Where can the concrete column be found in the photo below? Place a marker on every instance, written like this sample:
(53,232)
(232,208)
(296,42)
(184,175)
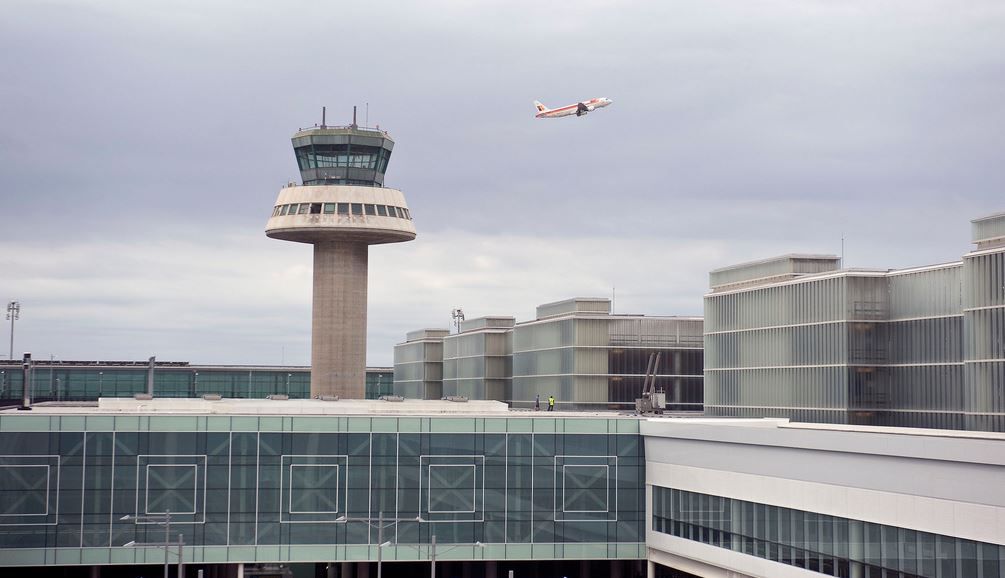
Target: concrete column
(345,570)
(95,571)
(491,570)
(338,332)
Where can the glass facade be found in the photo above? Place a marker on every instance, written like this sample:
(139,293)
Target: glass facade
(478,362)
(418,365)
(310,488)
(848,347)
(918,347)
(576,351)
(73,381)
(984,335)
(594,360)
(830,545)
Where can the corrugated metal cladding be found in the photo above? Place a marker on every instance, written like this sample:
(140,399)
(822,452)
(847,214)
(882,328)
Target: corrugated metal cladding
(426,334)
(487,322)
(988,228)
(579,305)
(583,359)
(786,264)
(920,348)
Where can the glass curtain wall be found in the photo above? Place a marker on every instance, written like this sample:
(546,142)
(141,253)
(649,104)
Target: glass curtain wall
(830,545)
(62,382)
(984,339)
(281,484)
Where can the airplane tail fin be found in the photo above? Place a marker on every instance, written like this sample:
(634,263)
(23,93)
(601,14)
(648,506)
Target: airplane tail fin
(540,107)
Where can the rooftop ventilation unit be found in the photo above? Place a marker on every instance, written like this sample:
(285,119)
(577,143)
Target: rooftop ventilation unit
(456,398)
(142,396)
(391,398)
(277,396)
(327,397)
(212,397)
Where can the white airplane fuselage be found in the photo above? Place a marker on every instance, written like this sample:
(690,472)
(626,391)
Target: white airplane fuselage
(578,109)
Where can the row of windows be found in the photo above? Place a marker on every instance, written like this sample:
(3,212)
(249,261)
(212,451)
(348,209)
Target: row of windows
(64,384)
(830,545)
(358,209)
(343,156)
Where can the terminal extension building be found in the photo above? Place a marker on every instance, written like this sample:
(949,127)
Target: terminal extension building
(575,350)
(60,380)
(797,337)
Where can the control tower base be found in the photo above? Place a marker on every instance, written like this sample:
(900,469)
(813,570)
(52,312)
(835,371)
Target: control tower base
(338,328)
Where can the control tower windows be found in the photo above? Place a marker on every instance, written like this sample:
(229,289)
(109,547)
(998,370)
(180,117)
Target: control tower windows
(342,156)
(358,209)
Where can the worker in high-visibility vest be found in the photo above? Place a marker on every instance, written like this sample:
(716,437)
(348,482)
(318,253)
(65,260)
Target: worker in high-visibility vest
(551,403)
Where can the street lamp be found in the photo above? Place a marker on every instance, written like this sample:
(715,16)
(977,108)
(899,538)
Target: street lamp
(432,550)
(165,520)
(432,557)
(381,521)
(13,313)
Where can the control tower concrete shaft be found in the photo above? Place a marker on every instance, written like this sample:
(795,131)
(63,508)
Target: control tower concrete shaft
(341,208)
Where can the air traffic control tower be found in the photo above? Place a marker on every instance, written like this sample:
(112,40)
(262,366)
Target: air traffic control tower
(341,208)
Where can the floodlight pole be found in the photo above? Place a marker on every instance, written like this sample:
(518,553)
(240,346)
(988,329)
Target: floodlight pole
(13,313)
(380,539)
(166,520)
(167,540)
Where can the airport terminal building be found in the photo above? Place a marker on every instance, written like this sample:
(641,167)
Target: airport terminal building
(575,349)
(342,488)
(798,337)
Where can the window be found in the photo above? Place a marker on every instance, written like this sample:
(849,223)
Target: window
(304,207)
(329,208)
(357,208)
(370,210)
(407,216)
(343,208)
(293,209)
(382,210)
(315,208)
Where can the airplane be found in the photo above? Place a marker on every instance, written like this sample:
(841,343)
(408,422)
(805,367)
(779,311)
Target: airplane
(578,109)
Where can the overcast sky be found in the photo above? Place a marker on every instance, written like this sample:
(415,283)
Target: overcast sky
(143,144)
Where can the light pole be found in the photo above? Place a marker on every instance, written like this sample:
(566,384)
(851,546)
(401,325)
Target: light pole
(165,520)
(380,523)
(13,313)
(432,550)
(458,315)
